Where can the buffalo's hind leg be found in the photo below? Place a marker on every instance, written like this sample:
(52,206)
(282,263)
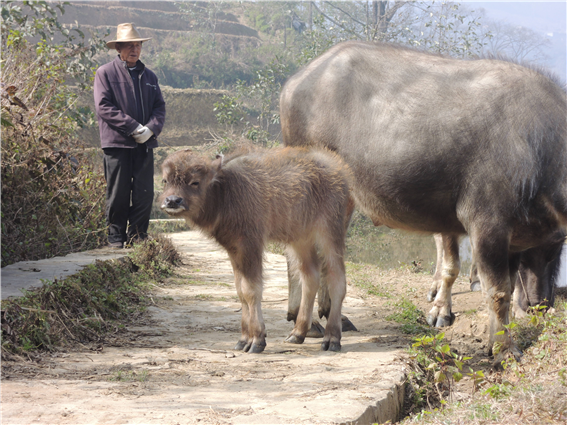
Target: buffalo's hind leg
(495,266)
(441,315)
(304,263)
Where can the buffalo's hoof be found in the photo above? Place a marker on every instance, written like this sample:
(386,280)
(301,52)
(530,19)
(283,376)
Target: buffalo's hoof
(444,321)
(502,356)
(240,345)
(347,325)
(316,331)
(294,339)
(431,296)
(257,348)
(330,346)
(440,321)
(475,286)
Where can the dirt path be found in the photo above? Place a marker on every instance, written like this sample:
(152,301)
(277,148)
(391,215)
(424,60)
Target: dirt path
(179,366)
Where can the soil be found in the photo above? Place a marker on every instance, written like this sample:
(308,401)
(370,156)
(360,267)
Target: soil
(177,364)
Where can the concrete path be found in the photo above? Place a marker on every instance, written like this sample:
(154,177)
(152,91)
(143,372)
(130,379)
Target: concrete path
(31,274)
(193,371)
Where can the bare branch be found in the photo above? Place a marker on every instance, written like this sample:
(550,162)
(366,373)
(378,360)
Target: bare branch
(346,13)
(335,22)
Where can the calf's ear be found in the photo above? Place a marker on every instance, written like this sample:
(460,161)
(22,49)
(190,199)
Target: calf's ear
(218,162)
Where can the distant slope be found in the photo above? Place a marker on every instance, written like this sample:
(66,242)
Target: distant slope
(177,54)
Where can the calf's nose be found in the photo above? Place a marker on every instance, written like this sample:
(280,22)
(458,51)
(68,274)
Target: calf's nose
(172,202)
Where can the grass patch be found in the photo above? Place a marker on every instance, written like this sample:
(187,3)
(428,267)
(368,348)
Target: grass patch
(168,226)
(88,305)
(362,276)
(411,318)
(276,248)
(532,391)
(208,297)
(130,376)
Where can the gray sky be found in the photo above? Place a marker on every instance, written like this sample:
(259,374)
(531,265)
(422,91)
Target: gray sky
(543,16)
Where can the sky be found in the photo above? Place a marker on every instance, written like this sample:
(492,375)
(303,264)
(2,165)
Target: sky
(545,17)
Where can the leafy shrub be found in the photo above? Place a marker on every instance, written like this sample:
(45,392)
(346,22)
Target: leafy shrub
(52,201)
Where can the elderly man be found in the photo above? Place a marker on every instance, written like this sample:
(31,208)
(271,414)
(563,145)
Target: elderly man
(131,113)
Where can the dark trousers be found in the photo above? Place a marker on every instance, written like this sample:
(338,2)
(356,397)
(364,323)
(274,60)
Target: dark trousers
(129,175)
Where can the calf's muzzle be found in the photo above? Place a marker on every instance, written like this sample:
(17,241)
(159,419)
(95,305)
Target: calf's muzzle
(172,202)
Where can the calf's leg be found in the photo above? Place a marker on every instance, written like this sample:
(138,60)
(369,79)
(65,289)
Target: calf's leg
(304,262)
(249,286)
(245,334)
(294,301)
(336,282)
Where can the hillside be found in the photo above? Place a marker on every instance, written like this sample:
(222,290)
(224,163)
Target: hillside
(180,54)
(189,121)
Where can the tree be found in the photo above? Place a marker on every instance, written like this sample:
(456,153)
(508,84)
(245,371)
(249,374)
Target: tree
(52,201)
(516,43)
(442,27)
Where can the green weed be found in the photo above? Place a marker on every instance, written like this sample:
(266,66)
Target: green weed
(410,317)
(130,376)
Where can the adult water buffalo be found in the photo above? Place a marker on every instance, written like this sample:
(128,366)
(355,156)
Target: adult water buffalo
(443,146)
(533,284)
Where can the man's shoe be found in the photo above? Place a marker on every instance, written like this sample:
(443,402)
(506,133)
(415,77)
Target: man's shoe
(116,245)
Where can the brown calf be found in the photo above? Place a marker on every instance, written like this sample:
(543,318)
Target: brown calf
(295,196)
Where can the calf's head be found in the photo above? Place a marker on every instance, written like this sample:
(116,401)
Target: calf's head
(186,179)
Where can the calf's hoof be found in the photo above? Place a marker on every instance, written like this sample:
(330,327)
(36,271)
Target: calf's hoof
(330,346)
(257,348)
(295,339)
(240,345)
(347,325)
(316,331)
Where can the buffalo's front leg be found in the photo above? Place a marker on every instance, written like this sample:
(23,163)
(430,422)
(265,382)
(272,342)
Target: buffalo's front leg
(437,277)
(441,315)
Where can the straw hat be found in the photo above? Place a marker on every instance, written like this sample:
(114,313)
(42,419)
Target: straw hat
(124,34)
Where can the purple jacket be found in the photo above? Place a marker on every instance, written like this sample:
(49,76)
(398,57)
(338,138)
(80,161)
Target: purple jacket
(115,105)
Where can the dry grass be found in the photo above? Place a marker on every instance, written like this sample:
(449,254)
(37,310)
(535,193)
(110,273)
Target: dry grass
(533,391)
(88,306)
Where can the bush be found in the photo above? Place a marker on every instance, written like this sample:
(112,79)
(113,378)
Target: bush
(52,201)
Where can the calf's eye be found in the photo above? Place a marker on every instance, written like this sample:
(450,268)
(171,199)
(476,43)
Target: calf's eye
(195,184)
